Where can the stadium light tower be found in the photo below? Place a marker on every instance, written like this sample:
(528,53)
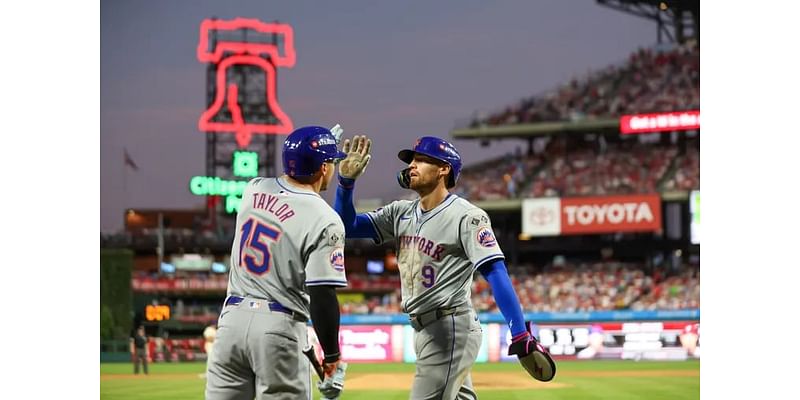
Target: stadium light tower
(676,20)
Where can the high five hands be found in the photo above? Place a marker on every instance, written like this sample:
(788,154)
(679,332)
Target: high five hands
(358,156)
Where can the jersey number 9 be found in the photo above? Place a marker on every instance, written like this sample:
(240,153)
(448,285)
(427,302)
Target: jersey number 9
(428,276)
(252,233)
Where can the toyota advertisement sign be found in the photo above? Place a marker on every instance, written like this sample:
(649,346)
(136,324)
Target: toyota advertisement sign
(587,215)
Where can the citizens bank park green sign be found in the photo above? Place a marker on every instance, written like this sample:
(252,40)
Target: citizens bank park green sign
(245,165)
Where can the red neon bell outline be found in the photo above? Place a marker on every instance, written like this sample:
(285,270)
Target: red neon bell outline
(246,48)
(245,53)
(244,131)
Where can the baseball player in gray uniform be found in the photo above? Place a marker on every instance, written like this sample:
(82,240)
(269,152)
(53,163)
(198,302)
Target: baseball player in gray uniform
(441,240)
(286,261)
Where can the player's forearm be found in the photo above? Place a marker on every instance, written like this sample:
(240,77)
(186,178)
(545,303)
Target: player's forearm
(504,295)
(355,226)
(344,204)
(325,317)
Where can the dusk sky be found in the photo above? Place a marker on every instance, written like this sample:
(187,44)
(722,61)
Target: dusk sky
(392,70)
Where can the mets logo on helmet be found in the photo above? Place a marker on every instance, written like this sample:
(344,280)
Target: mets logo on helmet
(486,237)
(337,259)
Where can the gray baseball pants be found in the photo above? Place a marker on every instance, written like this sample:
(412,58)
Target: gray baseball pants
(258,354)
(446,349)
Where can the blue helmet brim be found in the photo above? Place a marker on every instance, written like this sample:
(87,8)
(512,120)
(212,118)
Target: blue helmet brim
(406,155)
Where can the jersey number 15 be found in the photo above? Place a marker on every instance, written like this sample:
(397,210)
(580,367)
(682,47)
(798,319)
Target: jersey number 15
(252,234)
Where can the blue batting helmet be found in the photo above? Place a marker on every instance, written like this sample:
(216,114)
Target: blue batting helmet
(439,149)
(305,149)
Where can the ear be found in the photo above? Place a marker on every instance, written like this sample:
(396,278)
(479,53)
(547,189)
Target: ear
(323,169)
(446,169)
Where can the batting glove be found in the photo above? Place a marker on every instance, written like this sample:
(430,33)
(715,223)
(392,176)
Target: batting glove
(524,344)
(333,385)
(532,355)
(358,156)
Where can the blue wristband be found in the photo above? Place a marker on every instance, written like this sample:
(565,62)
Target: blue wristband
(347,183)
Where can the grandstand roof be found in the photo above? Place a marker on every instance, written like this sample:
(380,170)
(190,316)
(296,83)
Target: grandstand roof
(522,131)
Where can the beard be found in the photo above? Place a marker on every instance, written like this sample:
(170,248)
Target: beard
(420,185)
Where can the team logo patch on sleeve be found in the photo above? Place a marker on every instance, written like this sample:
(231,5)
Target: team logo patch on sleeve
(486,238)
(337,259)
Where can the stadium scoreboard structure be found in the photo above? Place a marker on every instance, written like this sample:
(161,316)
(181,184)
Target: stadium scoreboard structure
(242,114)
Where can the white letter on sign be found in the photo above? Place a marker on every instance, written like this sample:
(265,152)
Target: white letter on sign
(616,213)
(570,210)
(644,213)
(630,209)
(600,212)
(585,215)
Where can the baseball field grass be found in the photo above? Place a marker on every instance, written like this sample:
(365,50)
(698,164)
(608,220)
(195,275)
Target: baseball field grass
(576,380)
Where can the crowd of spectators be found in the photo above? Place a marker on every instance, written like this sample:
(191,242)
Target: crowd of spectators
(650,80)
(618,168)
(387,303)
(597,287)
(687,173)
(496,179)
(572,288)
(599,168)
(676,292)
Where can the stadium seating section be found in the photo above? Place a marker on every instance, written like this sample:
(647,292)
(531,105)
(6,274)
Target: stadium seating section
(649,81)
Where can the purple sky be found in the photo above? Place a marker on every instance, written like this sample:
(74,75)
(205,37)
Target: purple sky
(393,70)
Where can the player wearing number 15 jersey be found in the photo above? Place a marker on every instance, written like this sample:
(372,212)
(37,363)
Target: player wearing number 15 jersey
(286,261)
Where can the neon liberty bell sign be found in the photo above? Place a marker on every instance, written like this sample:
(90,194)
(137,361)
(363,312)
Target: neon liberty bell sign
(225,114)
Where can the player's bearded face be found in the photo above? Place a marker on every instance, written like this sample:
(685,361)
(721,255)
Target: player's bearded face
(425,172)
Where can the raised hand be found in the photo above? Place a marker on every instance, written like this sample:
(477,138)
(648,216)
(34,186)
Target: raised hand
(358,156)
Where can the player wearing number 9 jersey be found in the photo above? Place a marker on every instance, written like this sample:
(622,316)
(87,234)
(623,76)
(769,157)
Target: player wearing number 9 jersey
(441,240)
(286,260)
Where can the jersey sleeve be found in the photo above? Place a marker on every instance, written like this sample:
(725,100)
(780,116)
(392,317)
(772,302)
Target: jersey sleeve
(478,239)
(325,262)
(383,221)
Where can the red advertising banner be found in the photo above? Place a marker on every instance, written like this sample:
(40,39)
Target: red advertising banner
(367,343)
(609,214)
(659,122)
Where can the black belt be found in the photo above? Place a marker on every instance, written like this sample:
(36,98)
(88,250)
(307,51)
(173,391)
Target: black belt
(273,306)
(419,321)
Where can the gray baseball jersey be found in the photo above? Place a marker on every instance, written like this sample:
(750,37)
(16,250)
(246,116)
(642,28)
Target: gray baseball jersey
(438,250)
(286,239)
